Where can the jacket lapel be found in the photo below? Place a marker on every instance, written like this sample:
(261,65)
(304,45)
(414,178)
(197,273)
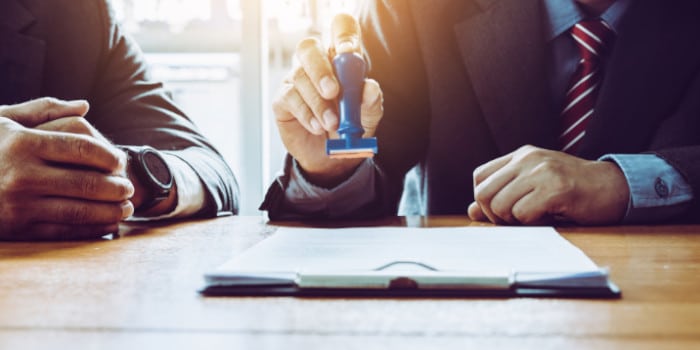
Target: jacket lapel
(504,51)
(21,56)
(639,90)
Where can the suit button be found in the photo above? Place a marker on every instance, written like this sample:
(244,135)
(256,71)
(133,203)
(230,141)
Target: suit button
(661,188)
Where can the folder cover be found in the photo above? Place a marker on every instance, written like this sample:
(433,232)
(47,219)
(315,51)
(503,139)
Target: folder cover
(413,262)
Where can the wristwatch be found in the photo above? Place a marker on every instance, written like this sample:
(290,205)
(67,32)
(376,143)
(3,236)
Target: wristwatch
(152,171)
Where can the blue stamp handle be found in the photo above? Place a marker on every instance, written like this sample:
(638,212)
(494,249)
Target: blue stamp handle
(350,68)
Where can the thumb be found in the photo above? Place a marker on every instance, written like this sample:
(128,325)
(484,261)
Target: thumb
(46,109)
(346,34)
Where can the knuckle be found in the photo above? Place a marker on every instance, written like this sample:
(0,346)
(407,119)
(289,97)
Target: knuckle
(114,213)
(479,174)
(286,93)
(300,109)
(306,46)
(373,94)
(526,149)
(83,148)
(481,197)
(15,182)
(20,143)
(551,168)
(278,106)
(88,185)
(13,214)
(76,214)
(520,214)
(123,191)
(501,211)
(529,152)
(47,106)
(47,102)
(316,102)
(287,103)
(561,185)
(13,145)
(503,214)
(373,88)
(79,126)
(297,75)
(280,102)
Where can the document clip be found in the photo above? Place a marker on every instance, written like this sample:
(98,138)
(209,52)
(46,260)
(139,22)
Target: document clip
(396,275)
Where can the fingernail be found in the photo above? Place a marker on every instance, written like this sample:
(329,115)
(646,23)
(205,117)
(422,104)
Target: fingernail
(315,125)
(328,87)
(129,189)
(344,47)
(127,209)
(330,119)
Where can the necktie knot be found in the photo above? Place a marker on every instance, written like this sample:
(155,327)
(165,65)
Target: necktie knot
(593,38)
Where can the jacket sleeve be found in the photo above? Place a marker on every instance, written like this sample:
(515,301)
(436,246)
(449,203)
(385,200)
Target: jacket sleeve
(677,140)
(131,109)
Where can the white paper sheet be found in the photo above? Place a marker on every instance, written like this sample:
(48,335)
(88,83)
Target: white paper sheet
(478,249)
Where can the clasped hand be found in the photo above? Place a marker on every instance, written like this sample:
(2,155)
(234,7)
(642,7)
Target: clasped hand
(59,177)
(537,186)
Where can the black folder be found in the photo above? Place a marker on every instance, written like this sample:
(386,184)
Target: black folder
(400,262)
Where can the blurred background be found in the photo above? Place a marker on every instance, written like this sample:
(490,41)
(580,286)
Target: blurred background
(224,60)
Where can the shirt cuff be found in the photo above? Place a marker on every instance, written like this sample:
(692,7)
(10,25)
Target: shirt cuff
(657,190)
(352,194)
(190,191)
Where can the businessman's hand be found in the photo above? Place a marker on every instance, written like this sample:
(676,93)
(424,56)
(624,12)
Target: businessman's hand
(306,111)
(536,186)
(57,182)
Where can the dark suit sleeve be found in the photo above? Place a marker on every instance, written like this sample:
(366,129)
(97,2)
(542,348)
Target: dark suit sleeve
(393,54)
(130,109)
(677,140)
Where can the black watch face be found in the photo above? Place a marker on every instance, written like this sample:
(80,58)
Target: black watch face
(157,167)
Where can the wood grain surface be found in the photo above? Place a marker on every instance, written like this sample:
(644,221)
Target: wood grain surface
(140,292)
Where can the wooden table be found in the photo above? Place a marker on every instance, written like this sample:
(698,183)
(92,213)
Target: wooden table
(140,292)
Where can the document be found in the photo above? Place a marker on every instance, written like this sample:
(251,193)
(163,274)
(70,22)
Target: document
(498,261)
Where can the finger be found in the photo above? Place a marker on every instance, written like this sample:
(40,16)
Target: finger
(502,202)
(314,61)
(490,186)
(322,109)
(67,211)
(39,111)
(79,184)
(346,34)
(79,150)
(294,104)
(484,171)
(61,232)
(532,210)
(475,212)
(372,106)
(73,125)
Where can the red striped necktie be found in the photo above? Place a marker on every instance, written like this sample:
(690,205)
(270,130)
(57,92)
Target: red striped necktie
(593,38)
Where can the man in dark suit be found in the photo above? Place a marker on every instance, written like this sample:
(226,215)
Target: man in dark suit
(67,173)
(515,111)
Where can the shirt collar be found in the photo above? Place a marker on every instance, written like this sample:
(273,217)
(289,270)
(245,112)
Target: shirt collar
(564,14)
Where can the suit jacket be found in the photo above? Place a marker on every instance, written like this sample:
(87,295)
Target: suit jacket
(74,49)
(465,81)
